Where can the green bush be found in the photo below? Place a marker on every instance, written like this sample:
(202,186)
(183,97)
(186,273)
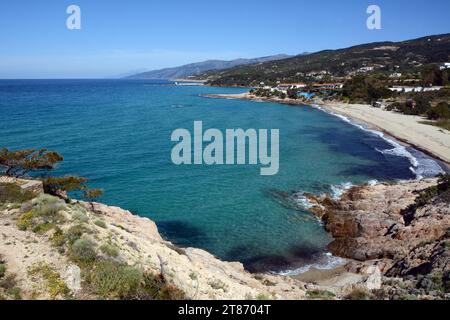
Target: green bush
(80,216)
(100,224)
(359,294)
(55,286)
(75,232)
(320,295)
(155,287)
(48,206)
(2,270)
(58,238)
(113,280)
(25,220)
(110,250)
(43,214)
(83,251)
(440,112)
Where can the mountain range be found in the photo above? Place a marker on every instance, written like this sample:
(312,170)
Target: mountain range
(194,69)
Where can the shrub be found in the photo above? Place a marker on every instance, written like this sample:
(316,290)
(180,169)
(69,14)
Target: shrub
(53,185)
(100,224)
(83,251)
(75,232)
(56,287)
(15,292)
(43,227)
(80,216)
(43,215)
(109,250)
(25,220)
(218,285)
(8,284)
(113,280)
(263,297)
(2,270)
(440,112)
(155,287)
(359,294)
(58,238)
(320,295)
(48,206)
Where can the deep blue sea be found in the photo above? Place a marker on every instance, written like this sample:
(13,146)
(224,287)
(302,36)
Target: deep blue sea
(117,134)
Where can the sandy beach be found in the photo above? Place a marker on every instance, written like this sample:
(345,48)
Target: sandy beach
(407,129)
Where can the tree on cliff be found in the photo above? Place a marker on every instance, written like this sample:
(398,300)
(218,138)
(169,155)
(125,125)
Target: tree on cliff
(92,194)
(59,186)
(53,185)
(20,163)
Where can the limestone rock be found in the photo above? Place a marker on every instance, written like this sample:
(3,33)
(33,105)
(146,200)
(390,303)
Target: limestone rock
(72,278)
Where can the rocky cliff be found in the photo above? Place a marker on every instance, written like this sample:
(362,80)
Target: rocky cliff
(395,236)
(52,249)
(402,229)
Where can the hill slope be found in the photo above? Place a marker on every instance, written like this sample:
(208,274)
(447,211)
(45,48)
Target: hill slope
(383,56)
(195,69)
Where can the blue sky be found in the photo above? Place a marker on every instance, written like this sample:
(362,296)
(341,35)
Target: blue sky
(121,36)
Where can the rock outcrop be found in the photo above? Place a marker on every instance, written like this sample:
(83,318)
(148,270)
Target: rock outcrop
(35,248)
(396,236)
(392,227)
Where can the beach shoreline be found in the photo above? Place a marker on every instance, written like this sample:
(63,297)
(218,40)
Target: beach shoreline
(406,129)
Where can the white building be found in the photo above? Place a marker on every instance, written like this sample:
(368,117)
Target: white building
(445,65)
(395,75)
(407,89)
(285,86)
(365,69)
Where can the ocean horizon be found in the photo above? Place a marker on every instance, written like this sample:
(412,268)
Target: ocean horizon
(117,134)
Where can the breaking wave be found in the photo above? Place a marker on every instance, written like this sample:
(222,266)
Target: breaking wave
(325,261)
(422,166)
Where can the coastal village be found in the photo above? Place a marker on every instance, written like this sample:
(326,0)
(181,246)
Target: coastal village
(395,82)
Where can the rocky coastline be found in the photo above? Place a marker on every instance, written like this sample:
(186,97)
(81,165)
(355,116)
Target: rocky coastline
(395,236)
(401,230)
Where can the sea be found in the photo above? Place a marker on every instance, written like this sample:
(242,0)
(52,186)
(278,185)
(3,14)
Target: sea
(117,133)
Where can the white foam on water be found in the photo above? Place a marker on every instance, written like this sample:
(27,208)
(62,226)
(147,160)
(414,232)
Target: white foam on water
(326,262)
(303,202)
(338,190)
(421,165)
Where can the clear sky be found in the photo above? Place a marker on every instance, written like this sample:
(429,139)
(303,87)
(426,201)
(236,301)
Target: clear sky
(119,36)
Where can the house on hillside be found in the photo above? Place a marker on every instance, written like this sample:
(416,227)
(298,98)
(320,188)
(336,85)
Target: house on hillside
(395,75)
(365,69)
(328,86)
(445,65)
(287,86)
(408,89)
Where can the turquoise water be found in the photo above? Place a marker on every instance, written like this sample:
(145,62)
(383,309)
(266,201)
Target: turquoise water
(117,133)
